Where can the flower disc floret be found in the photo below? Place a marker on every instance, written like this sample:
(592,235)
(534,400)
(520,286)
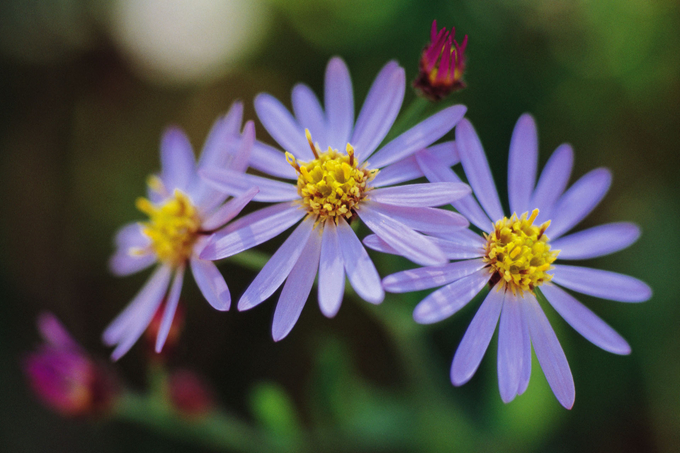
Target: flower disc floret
(518,253)
(172,228)
(331,184)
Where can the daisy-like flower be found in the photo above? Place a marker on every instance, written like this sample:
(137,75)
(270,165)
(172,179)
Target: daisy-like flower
(517,260)
(335,180)
(183,212)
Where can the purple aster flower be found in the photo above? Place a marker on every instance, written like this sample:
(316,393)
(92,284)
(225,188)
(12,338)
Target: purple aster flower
(331,188)
(64,376)
(515,258)
(183,212)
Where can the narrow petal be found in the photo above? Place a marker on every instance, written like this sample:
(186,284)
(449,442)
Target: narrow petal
(549,352)
(427,220)
(123,263)
(419,136)
(177,160)
(277,268)
(131,235)
(554,179)
(421,195)
(452,250)
(430,277)
(468,206)
(239,161)
(222,138)
(522,164)
(170,307)
(236,183)
(603,284)
(412,245)
(379,110)
(331,271)
(525,377)
(510,348)
(597,241)
(477,338)
(54,333)
(271,161)
(578,201)
(250,231)
(309,113)
(359,267)
(448,300)
(229,210)
(297,288)
(282,126)
(339,100)
(477,169)
(211,283)
(444,154)
(151,294)
(585,321)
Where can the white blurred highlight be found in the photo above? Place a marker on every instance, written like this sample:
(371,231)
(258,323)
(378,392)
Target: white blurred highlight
(185,41)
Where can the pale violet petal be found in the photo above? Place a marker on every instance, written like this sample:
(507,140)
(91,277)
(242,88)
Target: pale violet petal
(221,137)
(477,338)
(252,231)
(54,333)
(510,348)
(297,288)
(271,161)
(578,201)
(359,267)
(282,126)
(522,164)
(211,283)
(585,321)
(468,206)
(412,245)
(177,160)
(228,210)
(448,300)
(549,352)
(236,183)
(430,277)
(331,271)
(278,267)
(525,377)
(452,250)
(239,161)
(597,241)
(131,235)
(554,179)
(170,307)
(339,100)
(426,220)
(309,113)
(477,169)
(418,137)
(603,284)
(421,195)
(124,263)
(445,154)
(379,110)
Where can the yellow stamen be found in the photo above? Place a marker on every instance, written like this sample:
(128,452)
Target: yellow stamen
(518,253)
(331,184)
(172,227)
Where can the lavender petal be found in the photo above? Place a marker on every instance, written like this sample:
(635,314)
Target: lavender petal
(549,352)
(585,321)
(297,288)
(282,126)
(554,179)
(448,300)
(309,113)
(407,169)
(170,307)
(522,164)
(229,210)
(331,271)
(603,284)
(597,241)
(526,358)
(236,183)
(221,138)
(477,338)
(123,263)
(452,250)
(177,160)
(271,161)
(278,267)
(339,99)
(359,267)
(211,283)
(430,277)
(426,220)
(510,348)
(421,195)
(477,169)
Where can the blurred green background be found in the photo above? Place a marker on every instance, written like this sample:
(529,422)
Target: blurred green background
(88,86)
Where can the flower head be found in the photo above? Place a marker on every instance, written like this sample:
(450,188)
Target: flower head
(337,176)
(64,377)
(442,65)
(516,257)
(183,211)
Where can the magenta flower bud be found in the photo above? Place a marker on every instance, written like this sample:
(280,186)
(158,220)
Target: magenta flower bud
(64,377)
(442,65)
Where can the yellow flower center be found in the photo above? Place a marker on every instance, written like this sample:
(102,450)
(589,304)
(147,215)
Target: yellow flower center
(172,227)
(331,184)
(518,253)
